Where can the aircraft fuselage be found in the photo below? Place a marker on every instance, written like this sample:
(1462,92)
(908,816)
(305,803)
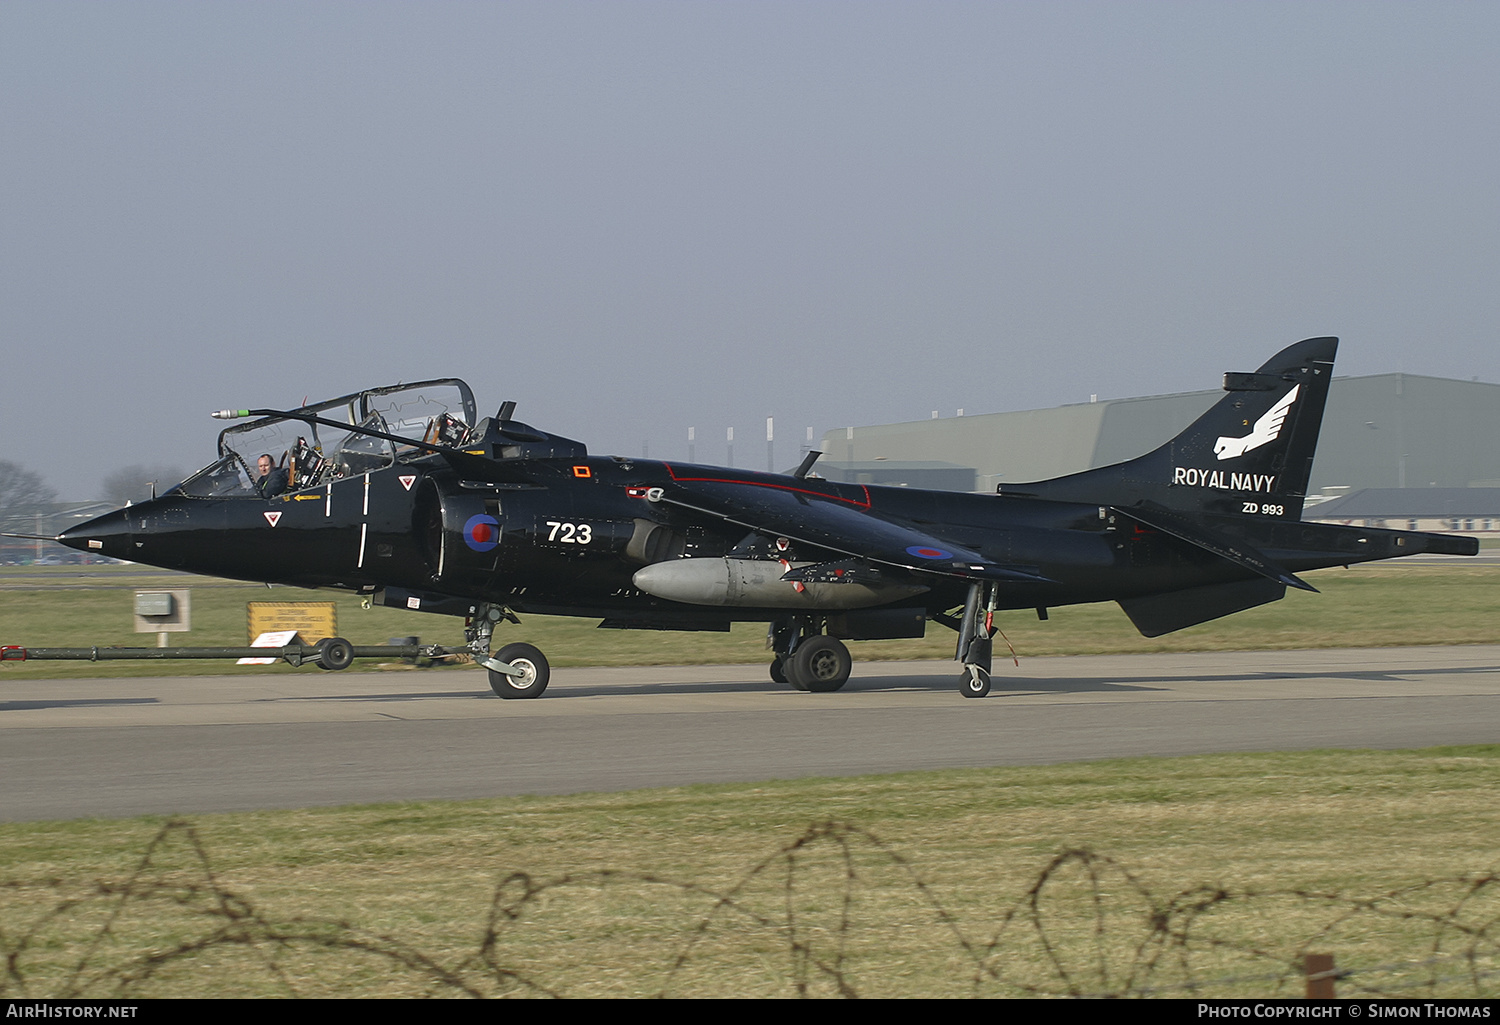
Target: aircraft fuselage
(400,492)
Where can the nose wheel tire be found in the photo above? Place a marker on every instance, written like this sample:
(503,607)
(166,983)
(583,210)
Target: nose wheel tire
(820,664)
(534,672)
(778,670)
(334,653)
(975,682)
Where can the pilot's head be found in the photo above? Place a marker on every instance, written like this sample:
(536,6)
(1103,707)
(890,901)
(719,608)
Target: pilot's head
(265,464)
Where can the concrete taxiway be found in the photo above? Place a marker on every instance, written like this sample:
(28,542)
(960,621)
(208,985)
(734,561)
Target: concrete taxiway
(114,747)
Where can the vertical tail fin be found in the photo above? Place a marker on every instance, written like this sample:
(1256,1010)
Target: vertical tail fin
(1255,446)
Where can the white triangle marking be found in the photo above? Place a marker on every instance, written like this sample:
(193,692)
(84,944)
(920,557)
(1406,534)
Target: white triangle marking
(272,517)
(407,480)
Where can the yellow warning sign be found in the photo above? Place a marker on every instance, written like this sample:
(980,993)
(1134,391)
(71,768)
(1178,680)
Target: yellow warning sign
(314,620)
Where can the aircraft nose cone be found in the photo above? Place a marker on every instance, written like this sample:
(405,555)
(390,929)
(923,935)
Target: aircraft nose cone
(104,535)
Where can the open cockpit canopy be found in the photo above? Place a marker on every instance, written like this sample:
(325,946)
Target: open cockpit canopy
(305,455)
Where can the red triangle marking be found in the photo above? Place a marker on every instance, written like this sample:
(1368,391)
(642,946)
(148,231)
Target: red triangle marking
(407,480)
(272,517)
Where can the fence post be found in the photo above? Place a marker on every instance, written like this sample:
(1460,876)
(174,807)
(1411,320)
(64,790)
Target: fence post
(1319,971)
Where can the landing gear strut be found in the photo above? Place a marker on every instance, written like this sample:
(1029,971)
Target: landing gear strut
(516,670)
(976,642)
(806,658)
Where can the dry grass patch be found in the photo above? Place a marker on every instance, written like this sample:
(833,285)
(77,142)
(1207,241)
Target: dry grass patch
(914,884)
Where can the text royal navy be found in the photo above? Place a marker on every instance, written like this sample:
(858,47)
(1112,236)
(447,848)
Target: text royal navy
(1223,480)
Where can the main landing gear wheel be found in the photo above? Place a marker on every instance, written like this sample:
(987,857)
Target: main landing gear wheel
(334,653)
(820,664)
(534,672)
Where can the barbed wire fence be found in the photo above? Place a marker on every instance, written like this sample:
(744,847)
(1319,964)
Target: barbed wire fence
(833,912)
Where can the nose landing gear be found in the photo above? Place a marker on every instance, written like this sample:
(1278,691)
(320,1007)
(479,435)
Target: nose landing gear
(522,672)
(516,670)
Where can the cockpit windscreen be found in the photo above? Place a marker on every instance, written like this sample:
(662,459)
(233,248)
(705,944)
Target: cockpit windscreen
(303,455)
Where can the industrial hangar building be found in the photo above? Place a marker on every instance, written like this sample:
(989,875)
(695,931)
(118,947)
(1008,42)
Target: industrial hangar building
(1389,436)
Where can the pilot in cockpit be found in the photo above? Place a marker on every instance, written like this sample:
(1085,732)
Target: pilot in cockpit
(273,479)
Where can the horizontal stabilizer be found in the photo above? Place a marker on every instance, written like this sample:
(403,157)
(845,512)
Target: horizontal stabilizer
(1236,552)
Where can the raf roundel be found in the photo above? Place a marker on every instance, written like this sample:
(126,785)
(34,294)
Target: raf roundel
(923,552)
(482,532)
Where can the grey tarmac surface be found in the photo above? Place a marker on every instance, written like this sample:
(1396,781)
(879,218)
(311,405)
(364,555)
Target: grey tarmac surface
(116,747)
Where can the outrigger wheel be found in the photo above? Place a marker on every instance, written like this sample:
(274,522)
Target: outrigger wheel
(975,682)
(532,672)
(334,653)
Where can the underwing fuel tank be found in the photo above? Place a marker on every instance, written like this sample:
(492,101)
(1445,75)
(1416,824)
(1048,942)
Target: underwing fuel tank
(758,583)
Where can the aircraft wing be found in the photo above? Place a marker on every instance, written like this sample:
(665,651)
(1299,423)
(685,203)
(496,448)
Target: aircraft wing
(839,525)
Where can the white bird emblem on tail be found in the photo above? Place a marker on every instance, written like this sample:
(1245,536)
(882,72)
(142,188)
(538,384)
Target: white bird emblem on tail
(1265,431)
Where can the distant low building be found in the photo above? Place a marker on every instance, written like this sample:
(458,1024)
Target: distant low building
(1441,510)
(928,474)
(1387,431)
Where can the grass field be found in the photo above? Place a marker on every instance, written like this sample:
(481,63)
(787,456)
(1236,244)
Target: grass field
(1367,606)
(1218,871)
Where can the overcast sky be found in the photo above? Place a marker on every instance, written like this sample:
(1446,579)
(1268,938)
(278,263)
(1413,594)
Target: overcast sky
(637,217)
